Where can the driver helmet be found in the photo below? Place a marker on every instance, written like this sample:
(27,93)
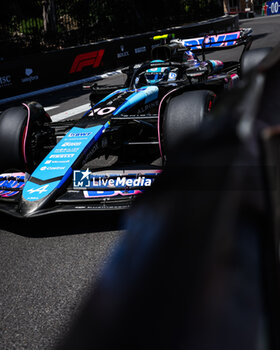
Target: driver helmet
(155,75)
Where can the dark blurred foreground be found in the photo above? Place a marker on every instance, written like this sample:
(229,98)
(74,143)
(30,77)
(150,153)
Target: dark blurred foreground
(199,269)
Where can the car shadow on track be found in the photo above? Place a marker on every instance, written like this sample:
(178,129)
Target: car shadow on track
(259,36)
(63,224)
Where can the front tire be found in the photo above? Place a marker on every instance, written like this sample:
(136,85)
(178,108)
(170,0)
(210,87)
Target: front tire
(24,130)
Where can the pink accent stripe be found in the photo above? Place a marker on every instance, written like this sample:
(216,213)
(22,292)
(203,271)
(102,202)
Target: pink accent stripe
(158,126)
(11,174)
(116,193)
(26,132)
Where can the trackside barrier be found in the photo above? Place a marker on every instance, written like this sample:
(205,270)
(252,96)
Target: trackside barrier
(270,8)
(33,72)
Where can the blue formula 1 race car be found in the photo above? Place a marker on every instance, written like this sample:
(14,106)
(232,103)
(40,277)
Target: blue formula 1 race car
(118,148)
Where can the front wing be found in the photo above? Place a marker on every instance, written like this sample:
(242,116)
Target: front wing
(88,191)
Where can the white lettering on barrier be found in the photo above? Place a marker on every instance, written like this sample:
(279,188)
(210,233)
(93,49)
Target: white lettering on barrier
(274,7)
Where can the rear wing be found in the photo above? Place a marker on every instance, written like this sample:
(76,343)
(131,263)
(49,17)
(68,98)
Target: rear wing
(220,41)
(170,48)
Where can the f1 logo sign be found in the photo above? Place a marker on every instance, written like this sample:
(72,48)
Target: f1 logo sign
(92,58)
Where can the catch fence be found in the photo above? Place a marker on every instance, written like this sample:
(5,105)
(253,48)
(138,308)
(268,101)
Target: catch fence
(33,26)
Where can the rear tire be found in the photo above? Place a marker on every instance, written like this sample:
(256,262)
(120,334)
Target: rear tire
(183,114)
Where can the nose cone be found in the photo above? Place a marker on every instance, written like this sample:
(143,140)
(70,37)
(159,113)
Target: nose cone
(27,208)
(36,196)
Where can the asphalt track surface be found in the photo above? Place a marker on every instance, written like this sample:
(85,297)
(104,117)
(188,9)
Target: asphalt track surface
(49,265)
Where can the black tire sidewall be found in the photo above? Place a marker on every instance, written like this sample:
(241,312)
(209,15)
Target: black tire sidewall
(182,114)
(12,127)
